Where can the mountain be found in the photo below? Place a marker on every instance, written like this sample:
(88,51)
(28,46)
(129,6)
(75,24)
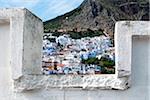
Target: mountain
(99,15)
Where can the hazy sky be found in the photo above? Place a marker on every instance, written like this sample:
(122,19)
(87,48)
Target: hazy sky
(45,9)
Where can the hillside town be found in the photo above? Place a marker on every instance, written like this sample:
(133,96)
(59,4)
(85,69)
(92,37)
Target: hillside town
(88,55)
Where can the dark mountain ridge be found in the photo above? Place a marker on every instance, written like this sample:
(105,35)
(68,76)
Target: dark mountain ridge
(99,15)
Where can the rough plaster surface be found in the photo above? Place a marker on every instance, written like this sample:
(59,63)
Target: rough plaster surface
(124,31)
(5,68)
(32,44)
(85,82)
(26,41)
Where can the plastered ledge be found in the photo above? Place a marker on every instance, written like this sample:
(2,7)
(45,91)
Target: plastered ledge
(30,82)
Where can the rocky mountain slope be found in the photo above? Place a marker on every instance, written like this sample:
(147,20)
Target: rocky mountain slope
(99,15)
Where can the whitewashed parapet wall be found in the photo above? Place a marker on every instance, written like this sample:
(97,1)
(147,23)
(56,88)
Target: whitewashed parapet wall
(124,33)
(26,45)
(26,42)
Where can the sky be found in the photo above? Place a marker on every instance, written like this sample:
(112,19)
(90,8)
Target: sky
(45,9)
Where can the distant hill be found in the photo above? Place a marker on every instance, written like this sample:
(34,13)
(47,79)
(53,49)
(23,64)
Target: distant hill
(99,15)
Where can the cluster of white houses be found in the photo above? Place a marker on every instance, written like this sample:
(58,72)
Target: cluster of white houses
(63,55)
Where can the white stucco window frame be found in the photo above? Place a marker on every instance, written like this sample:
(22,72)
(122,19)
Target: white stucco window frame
(121,80)
(124,33)
(26,32)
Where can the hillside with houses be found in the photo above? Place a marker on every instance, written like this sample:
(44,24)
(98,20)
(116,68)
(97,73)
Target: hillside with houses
(82,41)
(84,55)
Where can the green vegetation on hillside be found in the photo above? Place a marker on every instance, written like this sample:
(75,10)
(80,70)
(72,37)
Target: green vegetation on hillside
(106,64)
(102,62)
(81,34)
